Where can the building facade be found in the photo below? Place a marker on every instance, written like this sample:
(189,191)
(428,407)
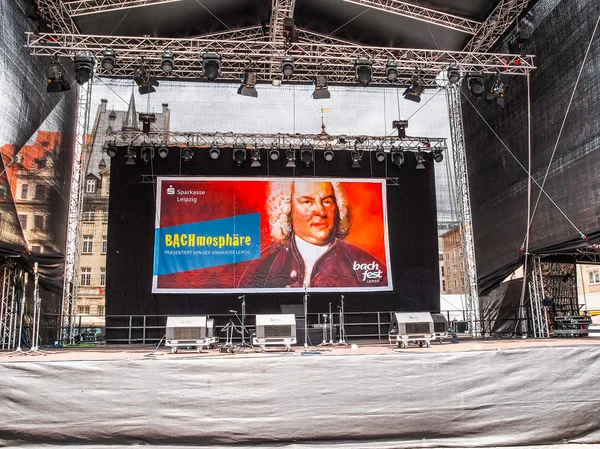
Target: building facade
(451,265)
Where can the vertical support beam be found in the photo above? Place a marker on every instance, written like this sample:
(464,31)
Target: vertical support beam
(280,9)
(71,276)
(539,316)
(464,209)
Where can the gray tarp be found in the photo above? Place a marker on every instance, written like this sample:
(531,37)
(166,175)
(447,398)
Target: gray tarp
(480,398)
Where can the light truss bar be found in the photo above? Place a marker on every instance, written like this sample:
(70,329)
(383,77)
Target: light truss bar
(83,7)
(280,9)
(496,25)
(421,13)
(333,60)
(464,208)
(71,276)
(539,315)
(282,141)
(255,32)
(57,16)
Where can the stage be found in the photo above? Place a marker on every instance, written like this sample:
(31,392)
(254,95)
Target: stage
(462,393)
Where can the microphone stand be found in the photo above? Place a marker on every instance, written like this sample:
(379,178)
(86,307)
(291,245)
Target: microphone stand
(305,318)
(342,340)
(37,313)
(331,328)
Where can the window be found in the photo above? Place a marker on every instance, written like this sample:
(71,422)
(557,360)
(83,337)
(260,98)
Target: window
(90,186)
(104,244)
(88,215)
(102,277)
(88,244)
(23,221)
(24,191)
(455,271)
(101,311)
(86,276)
(594,277)
(38,222)
(442,271)
(40,191)
(447,256)
(105,216)
(453,256)
(443,286)
(83,310)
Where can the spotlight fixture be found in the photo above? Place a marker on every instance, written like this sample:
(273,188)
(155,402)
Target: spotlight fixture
(453,74)
(306,155)
(163,151)
(255,156)
(274,154)
(147,120)
(414,91)
(328,154)
(380,155)
(438,156)
(130,156)
(109,59)
(290,32)
(391,70)
(401,126)
(247,88)
(211,66)
(147,154)
(239,154)
(397,157)
(356,158)
(420,161)
(517,45)
(287,67)
(56,77)
(497,91)
(84,68)
(291,158)
(141,76)
(168,62)
(321,91)
(187,153)
(215,152)
(111,149)
(475,84)
(363,71)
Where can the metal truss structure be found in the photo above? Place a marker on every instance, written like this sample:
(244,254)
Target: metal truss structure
(83,7)
(464,208)
(71,277)
(279,141)
(539,314)
(9,306)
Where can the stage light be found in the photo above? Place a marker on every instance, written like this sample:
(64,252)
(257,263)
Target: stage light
(438,156)
(215,152)
(147,120)
(239,154)
(380,155)
(356,158)
(109,59)
(147,154)
(84,68)
(453,74)
(391,70)
(130,156)
(211,66)
(321,91)
(168,62)
(287,67)
(328,155)
(497,91)
(291,158)
(363,71)
(306,155)
(414,91)
(475,84)
(111,149)
(57,78)
(255,156)
(289,31)
(401,126)
(274,154)
(187,154)
(141,76)
(247,88)
(397,157)
(163,151)
(420,161)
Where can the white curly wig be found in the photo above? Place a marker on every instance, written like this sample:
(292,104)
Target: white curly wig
(279,208)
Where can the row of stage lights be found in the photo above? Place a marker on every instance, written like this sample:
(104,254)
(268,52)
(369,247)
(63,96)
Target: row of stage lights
(211,67)
(240,155)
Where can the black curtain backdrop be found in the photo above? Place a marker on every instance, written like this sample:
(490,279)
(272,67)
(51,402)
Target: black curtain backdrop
(411,222)
(560,34)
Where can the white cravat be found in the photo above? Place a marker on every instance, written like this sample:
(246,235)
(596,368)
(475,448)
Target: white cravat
(310,253)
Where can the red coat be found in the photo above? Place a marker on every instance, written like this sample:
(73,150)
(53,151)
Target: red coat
(343,265)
